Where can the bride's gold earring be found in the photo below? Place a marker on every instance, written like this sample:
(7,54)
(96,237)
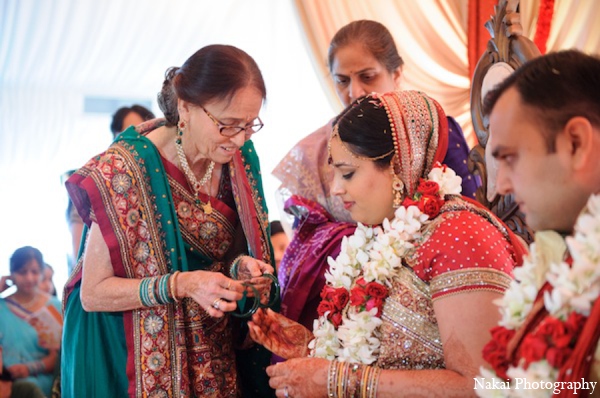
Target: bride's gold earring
(398,187)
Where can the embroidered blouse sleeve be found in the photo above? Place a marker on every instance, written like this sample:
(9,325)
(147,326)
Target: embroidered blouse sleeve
(465,252)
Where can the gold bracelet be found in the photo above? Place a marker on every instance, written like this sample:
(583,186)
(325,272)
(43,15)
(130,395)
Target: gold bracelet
(373,383)
(364,382)
(331,376)
(354,378)
(173,286)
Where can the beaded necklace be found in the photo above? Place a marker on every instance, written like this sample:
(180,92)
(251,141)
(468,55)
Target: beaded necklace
(192,180)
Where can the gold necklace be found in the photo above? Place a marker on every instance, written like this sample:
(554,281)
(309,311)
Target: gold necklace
(192,180)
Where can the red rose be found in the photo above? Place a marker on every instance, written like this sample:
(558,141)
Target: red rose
(328,292)
(491,348)
(556,332)
(340,299)
(325,306)
(361,282)
(501,335)
(357,296)
(430,205)
(428,187)
(336,319)
(375,289)
(557,357)
(495,355)
(409,202)
(575,323)
(533,349)
(374,302)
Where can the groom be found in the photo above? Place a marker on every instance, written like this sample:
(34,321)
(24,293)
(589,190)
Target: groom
(545,135)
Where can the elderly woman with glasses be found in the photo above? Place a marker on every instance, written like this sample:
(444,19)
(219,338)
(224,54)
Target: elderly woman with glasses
(176,240)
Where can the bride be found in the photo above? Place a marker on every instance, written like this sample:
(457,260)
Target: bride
(408,302)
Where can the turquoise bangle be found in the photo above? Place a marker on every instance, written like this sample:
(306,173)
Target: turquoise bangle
(35,368)
(255,303)
(275,297)
(147,291)
(233,269)
(163,289)
(144,292)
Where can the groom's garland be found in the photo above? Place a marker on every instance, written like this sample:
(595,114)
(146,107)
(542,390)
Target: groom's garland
(574,289)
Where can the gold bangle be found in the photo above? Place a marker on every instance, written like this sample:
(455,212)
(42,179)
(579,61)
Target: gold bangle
(331,373)
(173,286)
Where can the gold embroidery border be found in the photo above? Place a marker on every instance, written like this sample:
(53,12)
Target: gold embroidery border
(414,325)
(471,278)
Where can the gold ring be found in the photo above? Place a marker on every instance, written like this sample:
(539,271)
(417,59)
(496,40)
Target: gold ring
(216,303)
(228,285)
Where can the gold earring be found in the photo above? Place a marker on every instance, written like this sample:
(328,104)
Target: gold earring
(398,187)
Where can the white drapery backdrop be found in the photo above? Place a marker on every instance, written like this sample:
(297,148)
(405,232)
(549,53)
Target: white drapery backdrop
(55,53)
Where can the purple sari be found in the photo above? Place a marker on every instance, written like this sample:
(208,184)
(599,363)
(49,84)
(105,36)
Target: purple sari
(302,269)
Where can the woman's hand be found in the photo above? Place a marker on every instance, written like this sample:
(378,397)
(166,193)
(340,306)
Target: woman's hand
(251,270)
(301,377)
(4,283)
(280,335)
(215,292)
(249,267)
(50,361)
(18,371)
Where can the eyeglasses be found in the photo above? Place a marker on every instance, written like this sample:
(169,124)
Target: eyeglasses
(232,131)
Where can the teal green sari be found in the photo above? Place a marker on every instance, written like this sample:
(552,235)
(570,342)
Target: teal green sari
(147,218)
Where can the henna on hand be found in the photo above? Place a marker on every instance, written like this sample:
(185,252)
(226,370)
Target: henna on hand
(280,335)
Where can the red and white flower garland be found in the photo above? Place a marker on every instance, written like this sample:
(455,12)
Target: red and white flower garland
(575,288)
(359,278)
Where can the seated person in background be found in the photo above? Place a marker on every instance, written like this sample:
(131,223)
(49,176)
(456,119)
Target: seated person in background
(408,302)
(20,388)
(363,58)
(129,116)
(279,240)
(545,120)
(31,327)
(47,284)
(5,379)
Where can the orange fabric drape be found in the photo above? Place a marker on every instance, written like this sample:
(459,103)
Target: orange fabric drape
(544,23)
(480,12)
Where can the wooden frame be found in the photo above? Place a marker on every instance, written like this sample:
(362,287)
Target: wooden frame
(509,46)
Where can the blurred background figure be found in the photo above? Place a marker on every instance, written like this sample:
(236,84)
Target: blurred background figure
(129,116)
(47,283)
(279,240)
(31,327)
